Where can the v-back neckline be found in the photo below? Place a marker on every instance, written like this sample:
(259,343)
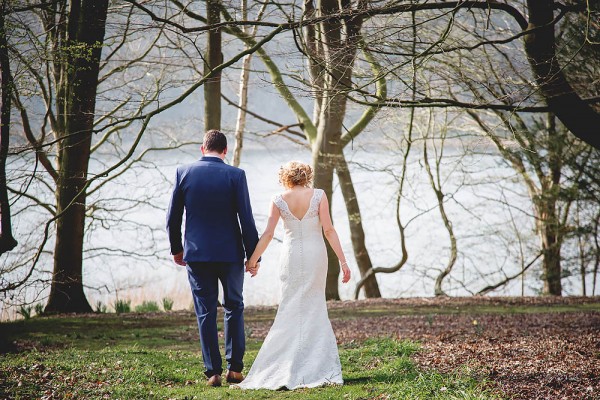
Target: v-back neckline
(307,210)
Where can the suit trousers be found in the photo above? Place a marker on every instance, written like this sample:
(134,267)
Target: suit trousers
(204,278)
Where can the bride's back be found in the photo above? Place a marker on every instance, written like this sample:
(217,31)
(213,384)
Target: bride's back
(298,200)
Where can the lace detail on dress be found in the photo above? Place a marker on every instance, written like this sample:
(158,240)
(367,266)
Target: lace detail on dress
(313,207)
(286,214)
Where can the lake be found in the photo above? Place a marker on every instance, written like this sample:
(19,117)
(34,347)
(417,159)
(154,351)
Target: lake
(127,254)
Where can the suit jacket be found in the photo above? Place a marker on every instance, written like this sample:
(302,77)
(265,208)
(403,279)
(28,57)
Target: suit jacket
(219,226)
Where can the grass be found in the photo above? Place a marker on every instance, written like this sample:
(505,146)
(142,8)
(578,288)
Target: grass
(25,311)
(147,306)
(100,307)
(122,306)
(167,303)
(130,356)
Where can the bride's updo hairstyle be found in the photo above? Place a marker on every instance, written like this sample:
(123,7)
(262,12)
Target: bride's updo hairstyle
(295,173)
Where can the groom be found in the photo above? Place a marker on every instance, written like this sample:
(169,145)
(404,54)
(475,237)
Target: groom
(219,233)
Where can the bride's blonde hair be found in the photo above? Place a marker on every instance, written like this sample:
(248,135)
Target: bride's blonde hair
(295,173)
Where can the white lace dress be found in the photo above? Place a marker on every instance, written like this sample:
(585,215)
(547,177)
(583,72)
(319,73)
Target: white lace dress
(300,350)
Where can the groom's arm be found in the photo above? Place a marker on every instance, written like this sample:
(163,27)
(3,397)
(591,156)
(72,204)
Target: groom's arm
(249,232)
(175,218)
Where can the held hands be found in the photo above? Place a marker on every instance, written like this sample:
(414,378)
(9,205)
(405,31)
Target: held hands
(178,259)
(345,271)
(252,267)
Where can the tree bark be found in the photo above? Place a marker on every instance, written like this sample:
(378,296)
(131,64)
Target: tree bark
(85,33)
(551,246)
(597,254)
(213,58)
(582,255)
(324,155)
(241,118)
(540,46)
(243,98)
(357,233)
(551,263)
(243,89)
(7,241)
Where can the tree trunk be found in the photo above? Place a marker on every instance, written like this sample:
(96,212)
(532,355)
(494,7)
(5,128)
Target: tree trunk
(357,233)
(86,26)
(7,241)
(244,79)
(240,124)
(213,58)
(339,55)
(540,46)
(582,269)
(551,266)
(552,232)
(581,239)
(323,164)
(596,254)
(325,153)
(551,247)
(241,118)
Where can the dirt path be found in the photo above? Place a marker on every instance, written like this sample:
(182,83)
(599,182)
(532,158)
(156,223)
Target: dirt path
(532,348)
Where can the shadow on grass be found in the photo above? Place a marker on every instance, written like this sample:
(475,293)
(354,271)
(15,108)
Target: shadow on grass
(358,380)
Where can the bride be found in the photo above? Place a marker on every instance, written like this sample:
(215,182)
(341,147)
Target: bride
(300,350)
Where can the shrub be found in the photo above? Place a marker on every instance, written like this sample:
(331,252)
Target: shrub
(39,309)
(100,307)
(147,306)
(25,311)
(167,303)
(122,306)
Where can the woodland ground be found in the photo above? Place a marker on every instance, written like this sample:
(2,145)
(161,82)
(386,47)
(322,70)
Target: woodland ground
(452,348)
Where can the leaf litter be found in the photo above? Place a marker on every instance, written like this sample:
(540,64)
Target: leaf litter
(527,348)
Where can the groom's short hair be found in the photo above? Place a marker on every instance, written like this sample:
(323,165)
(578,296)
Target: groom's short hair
(214,140)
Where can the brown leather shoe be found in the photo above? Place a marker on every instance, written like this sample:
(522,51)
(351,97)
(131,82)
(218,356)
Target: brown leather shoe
(214,381)
(234,377)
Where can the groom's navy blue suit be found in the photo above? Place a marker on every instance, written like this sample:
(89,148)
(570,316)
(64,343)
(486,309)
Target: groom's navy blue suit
(219,233)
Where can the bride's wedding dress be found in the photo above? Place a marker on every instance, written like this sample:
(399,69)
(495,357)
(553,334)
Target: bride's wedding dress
(300,350)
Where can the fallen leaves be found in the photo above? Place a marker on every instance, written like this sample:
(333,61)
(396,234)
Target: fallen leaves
(527,355)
